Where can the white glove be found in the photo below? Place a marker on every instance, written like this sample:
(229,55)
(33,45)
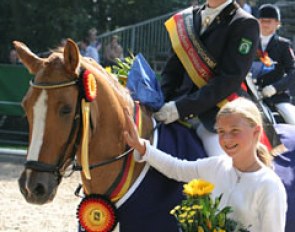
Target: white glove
(168,113)
(268,91)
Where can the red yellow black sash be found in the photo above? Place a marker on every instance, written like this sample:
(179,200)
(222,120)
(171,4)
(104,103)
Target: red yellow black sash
(195,58)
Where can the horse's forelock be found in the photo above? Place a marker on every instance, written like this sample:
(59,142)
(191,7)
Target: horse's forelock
(53,70)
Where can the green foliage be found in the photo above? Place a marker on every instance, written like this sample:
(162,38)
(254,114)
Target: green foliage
(42,24)
(122,68)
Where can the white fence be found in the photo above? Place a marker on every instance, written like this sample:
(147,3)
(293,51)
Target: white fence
(149,37)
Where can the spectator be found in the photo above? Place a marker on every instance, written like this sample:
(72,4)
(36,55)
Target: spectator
(13,57)
(82,47)
(93,41)
(87,50)
(112,51)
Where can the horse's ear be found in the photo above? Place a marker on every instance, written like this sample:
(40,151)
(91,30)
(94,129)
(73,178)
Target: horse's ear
(28,58)
(71,56)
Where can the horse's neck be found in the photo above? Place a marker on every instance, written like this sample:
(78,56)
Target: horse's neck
(107,140)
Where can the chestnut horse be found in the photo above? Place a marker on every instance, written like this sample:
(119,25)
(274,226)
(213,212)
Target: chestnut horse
(53,108)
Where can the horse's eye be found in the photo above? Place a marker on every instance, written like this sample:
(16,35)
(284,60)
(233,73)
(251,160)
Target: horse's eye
(66,109)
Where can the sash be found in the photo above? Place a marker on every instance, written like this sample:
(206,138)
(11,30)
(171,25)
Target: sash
(195,58)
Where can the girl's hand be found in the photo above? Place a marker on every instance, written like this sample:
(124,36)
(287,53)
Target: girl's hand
(131,135)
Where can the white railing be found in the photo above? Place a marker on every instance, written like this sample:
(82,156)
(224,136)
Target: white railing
(148,37)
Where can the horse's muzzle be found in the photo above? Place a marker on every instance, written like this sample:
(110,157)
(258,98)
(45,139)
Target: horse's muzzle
(38,187)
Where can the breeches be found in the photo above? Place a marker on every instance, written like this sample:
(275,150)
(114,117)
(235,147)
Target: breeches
(210,141)
(287,111)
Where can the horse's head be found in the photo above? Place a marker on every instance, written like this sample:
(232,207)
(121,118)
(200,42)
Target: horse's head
(50,112)
(54,112)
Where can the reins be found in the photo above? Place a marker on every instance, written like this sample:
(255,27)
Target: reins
(105,162)
(102,163)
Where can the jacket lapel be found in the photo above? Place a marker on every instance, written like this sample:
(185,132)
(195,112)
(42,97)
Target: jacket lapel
(272,43)
(197,20)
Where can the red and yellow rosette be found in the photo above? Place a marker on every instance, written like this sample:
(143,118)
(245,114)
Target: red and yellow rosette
(96,213)
(89,84)
(264,58)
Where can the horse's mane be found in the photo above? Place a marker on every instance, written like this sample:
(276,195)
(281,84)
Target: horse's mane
(98,71)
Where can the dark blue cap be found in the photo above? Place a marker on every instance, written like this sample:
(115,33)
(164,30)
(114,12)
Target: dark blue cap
(269,11)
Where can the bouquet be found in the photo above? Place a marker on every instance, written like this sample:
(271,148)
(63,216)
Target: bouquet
(199,213)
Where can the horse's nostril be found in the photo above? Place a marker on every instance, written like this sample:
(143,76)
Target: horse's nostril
(39,190)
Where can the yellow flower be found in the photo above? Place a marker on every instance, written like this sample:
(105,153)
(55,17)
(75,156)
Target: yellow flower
(197,207)
(177,207)
(192,213)
(200,229)
(198,188)
(173,211)
(183,215)
(108,69)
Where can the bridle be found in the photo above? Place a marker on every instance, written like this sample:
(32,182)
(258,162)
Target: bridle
(59,169)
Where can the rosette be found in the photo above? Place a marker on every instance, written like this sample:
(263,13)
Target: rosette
(96,213)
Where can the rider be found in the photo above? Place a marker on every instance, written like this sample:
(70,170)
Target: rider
(213,48)
(277,50)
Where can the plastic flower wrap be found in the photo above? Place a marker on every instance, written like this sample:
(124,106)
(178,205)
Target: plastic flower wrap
(200,213)
(136,74)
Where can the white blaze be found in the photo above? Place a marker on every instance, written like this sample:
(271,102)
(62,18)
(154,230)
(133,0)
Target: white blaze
(39,119)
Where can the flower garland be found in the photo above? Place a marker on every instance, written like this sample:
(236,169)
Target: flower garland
(199,213)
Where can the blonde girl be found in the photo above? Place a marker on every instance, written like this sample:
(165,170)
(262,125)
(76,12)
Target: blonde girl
(244,176)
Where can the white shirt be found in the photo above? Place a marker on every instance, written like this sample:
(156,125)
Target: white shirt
(259,199)
(247,8)
(209,14)
(92,52)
